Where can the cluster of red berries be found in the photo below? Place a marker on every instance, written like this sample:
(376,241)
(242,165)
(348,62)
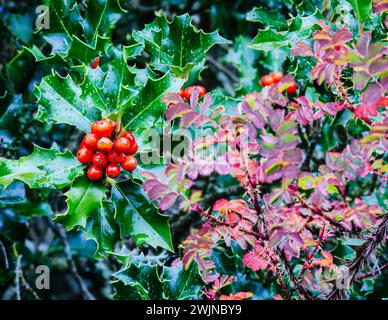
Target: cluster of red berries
(98,149)
(275,77)
(186,94)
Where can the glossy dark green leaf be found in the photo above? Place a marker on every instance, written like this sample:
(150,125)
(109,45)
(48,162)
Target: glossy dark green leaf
(146,108)
(150,282)
(272,19)
(138,218)
(103,229)
(61,100)
(83,200)
(44,168)
(177,45)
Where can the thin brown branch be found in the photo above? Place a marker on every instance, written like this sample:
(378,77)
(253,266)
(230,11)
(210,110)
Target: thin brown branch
(60,231)
(320,213)
(4,252)
(362,256)
(372,273)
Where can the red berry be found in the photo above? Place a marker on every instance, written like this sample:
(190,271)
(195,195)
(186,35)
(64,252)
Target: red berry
(95,173)
(133,149)
(114,157)
(128,135)
(267,80)
(90,141)
(112,170)
(277,76)
(202,91)
(292,89)
(105,144)
(95,62)
(188,92)
(103,128)
(181,93)
(85,155)
(122,145)
(129,163)
(100,160)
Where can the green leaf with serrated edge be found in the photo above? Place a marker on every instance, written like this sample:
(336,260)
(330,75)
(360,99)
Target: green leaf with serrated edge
(43,168)
(151,282)
(147,108)
(138,217)
(177,45)
(272,19)
(70,35)
(83,200)
(267,40)
(103,229)
(362,9)
(60,100)
(299,28)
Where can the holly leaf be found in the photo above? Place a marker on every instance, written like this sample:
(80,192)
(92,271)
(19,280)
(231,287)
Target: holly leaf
(272,19)
(146,108)
(177,45)
(362,9)
(61,100)
(103,229)
(148,282)
(83,200)
(75,35)
(138,218)
(299,28)
(43,168)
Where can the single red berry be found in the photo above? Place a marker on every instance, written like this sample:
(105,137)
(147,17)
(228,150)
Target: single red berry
(103,128)
(105,144)
(85,155)
(267,80)
(128,135)
(202,91)
(129,163)
(115,157)
(134,148)
(277,76)
(181,93)
(188,92)
(100,160)
(90,141)
(95,62)
(122,145)
(95,173)
(292,89)
(112,170)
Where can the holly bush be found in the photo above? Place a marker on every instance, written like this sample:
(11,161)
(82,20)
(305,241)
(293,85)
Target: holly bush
(246,141)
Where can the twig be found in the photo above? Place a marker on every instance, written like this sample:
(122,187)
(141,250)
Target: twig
(309,259)
(222,68)
(372,273)
(259,236)
(311,147)
(362,256)
(17,277)
(342,91)
(60,231)
(4,252)
(27,285)
(296,282)
(320,213)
